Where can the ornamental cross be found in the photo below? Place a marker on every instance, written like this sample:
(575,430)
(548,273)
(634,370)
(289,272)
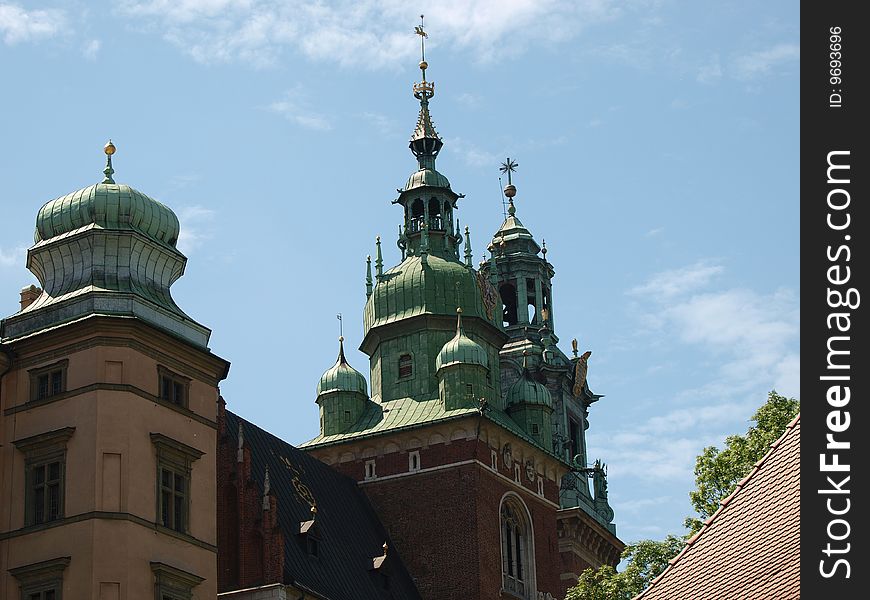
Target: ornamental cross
(509,166)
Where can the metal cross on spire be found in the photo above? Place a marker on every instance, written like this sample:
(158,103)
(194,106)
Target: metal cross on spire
(509,166)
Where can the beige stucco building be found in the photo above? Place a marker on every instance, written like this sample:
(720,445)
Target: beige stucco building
(108,403)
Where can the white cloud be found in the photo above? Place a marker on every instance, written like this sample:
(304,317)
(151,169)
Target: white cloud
(368,33)
(13,257)
(760,63)
(654,232)
(385,125)
(711,72)
(196,224)
(472,154)
(91,49)
(469,100)
(294,107)
(677,281)
(21,25)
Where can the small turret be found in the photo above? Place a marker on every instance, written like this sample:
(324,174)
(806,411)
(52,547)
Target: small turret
(462,368)
(530,405)
(342,395)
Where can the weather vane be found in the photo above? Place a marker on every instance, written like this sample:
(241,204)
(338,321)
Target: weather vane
(424,89)
(340,325)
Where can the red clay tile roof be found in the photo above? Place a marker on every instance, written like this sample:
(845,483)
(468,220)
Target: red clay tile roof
(750,548)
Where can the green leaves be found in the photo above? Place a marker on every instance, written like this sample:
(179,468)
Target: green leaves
(718,471)
(646,560)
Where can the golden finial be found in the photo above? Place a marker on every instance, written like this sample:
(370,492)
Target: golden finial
(109,149)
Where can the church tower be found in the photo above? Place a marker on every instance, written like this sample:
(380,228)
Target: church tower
(108,406)
(463,459)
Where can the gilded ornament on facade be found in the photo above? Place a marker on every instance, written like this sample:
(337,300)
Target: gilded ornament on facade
(581,369)
(531,474)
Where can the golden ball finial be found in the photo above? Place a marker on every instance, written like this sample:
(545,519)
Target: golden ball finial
(423,65)
(341,338)
(459,311)
(510,190)
(109,148)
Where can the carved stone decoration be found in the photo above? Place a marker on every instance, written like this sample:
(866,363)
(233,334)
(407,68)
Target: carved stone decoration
(581,368)
(507,456)
(531,474)
(488,294)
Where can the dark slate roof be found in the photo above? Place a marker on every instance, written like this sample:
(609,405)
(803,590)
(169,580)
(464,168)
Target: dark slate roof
(750,548)
(350,534)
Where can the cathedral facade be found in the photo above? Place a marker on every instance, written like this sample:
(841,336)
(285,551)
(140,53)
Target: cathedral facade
(471,443)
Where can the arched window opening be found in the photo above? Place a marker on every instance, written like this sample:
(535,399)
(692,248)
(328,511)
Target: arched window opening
(516,549)
(509,304)
(416,220)
(532,300)
(406,366)
(448,216)
(436,221)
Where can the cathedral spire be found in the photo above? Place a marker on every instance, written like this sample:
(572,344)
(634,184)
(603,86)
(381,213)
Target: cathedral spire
(425,142)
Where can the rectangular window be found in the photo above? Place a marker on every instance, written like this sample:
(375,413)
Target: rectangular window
(406,366)
(48,381)
(174,465)
(173,387)
(535,429)
(44,468)
(370,469)
(414,460)
(42,580)
(469,391)
(173,499)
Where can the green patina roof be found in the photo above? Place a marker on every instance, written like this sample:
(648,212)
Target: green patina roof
(412,288)
(408,413)
(109,206)
(461,350)
(426,178)
(342,377)
(526,390)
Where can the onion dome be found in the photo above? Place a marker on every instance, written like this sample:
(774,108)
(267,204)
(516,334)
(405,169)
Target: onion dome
(461,349)
(414,288)
(426,178)
(342,377)
(528,391)
(107,205)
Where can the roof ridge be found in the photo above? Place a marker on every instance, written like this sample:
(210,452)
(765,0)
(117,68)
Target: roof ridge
(723,504)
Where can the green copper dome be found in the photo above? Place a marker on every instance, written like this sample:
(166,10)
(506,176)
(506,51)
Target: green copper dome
(342,377)
(426,178)
(413,288)
(528,391)
(109,206)
(461,350)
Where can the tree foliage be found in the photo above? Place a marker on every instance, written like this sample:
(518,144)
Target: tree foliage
(645,560)
(717,473)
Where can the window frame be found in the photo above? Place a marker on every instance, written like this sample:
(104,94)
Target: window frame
(516,542)
(176,458)
(47,371)
(410,365)
(173,583)
(177,382)
(41,450)
(41,577)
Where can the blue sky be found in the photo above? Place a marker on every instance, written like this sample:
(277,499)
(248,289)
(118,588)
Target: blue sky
(658,150)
